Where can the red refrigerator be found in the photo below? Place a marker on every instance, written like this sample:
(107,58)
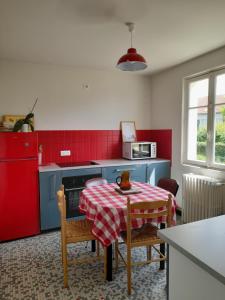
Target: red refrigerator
(19,193)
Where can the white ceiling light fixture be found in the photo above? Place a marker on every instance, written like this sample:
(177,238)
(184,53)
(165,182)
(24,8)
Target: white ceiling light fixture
(131,61)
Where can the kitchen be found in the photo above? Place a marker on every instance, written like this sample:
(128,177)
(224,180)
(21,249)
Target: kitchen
(80,107)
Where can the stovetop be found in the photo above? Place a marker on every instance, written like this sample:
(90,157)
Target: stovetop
(76,164)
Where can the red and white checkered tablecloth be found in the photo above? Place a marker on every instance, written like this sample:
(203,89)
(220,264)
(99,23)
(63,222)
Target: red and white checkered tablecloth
(107,208)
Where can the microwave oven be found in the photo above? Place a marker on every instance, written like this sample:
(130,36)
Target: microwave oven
(139,150)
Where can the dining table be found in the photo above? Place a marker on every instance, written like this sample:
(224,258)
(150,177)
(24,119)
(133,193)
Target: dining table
(107,208)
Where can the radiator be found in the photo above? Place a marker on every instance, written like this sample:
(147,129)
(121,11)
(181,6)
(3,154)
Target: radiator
(203,197)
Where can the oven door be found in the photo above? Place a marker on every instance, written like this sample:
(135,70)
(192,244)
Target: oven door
(141,151)
(73,185)
(72,202)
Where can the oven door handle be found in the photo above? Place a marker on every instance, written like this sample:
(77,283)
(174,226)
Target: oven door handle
(74,189)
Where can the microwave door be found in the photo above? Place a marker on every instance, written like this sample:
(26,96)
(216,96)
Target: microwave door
(146,150)
(136,151)
(140,150)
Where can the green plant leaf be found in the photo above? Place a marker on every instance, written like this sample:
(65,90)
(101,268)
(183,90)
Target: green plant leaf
(28,117)
(18,125)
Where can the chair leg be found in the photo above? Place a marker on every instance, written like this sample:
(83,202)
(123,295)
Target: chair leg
(149,252)
(98,249)
(116,255)
(162,262)
(62,250)
(93,246)
(65,265)
(129,271)
(105,263)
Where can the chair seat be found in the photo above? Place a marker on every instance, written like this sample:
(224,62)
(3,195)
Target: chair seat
(79,231)
(147,233)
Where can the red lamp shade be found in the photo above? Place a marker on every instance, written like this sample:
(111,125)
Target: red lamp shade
(132,61)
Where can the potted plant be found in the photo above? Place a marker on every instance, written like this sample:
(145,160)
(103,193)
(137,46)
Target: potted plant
(26,123)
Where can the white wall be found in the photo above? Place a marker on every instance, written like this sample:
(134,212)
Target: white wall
(64,102)
(166,106)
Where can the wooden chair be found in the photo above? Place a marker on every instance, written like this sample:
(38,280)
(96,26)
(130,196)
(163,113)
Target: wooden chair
(95,181)
(147,235)
(169,185)
(73,231)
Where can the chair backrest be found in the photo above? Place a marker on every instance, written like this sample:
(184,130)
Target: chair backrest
(169,185)
(95,181)
(148,210)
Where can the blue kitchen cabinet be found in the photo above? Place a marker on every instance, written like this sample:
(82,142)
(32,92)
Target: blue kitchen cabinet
(74,180)
(137,172)
(157,170)
(49,185)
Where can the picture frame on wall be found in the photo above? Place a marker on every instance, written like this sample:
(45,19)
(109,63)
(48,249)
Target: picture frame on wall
(128,131)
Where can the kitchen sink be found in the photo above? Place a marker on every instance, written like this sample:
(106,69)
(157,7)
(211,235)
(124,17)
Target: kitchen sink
(76,164)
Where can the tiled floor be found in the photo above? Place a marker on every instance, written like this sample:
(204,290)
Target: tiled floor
(31,269)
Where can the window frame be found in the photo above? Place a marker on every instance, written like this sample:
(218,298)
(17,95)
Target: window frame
(210,146)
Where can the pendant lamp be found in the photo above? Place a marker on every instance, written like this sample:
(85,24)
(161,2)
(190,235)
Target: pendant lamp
(131,61)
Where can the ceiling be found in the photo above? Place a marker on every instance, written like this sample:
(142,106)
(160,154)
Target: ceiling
(92,34)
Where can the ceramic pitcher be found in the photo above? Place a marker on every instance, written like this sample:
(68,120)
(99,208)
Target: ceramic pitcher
(123,181)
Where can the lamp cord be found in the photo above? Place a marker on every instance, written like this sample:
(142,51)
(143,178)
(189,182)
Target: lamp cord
(131,38)
(131,29)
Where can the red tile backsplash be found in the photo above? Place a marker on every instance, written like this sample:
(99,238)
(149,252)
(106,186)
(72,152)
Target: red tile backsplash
(96,144)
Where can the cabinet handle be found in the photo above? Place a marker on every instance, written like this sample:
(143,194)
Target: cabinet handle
(121,170)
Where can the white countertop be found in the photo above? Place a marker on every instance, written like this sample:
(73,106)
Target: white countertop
(119,162)
(203,242)
(101,163)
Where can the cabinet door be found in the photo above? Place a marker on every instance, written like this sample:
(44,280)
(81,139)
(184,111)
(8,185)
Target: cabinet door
(155,171)
(137,172)
(49,184)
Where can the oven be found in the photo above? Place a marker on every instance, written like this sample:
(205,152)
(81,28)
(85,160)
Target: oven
(73,185)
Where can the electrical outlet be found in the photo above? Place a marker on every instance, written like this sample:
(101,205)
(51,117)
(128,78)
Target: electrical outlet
(65,153)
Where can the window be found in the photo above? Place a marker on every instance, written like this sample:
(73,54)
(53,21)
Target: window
(204,120)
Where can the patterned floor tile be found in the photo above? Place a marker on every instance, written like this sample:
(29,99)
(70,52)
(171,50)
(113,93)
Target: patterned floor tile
(31,269)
